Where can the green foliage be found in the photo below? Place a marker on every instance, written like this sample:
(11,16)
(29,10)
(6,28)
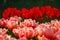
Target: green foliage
(34,38)
(9,32)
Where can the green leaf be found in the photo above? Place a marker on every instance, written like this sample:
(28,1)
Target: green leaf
(30,39)
(9,32)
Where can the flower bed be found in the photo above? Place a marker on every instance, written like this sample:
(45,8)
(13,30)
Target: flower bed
(27,24)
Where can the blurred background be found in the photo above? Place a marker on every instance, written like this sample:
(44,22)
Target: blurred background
(19,4)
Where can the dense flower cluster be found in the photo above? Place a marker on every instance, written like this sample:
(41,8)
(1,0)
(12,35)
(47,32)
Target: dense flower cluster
(10,23)
(4,36)
(10,12)
(44,31)
(34,13)
(30,28)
